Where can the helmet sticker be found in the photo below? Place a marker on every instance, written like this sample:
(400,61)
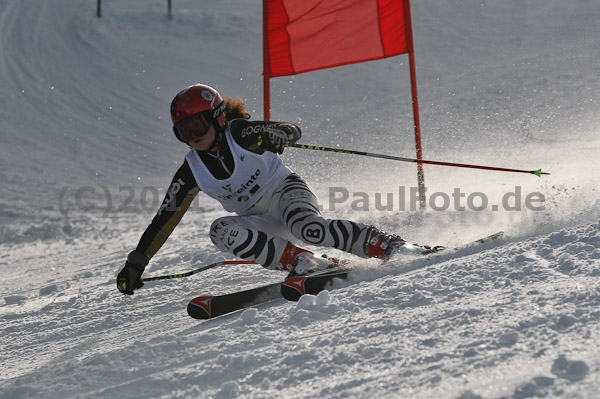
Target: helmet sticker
(207,95)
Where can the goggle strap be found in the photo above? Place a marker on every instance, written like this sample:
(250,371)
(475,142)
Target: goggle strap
(219,110)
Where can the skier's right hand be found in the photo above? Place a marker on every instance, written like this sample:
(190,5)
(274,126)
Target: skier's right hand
(130,277)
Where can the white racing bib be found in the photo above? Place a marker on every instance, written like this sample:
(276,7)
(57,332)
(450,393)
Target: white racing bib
(253,175)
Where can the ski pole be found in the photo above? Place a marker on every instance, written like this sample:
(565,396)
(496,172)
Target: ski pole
(538,172)
(205,267)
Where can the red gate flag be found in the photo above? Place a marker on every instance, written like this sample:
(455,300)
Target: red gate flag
(306,35)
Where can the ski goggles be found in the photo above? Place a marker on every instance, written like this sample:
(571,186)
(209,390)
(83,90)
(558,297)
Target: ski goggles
(196,125)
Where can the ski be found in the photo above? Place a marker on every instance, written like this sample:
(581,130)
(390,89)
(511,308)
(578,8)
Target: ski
(210,306)
(293,288)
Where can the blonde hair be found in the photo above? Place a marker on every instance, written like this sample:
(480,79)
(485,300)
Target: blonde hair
(236,108)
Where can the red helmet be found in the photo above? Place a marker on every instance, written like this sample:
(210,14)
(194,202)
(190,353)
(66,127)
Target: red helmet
(194,109)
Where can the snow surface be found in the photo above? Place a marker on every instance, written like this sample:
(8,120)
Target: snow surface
(87,152)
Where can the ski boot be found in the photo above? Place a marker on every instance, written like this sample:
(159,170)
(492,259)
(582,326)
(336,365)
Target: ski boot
(301,262)
(381,245)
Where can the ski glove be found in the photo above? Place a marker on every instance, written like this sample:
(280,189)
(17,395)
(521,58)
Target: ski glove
(130,277)
(276,138)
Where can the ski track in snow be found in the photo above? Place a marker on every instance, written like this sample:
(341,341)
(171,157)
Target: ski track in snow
(85,106)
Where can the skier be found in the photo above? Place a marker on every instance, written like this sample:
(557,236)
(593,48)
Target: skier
(235,161)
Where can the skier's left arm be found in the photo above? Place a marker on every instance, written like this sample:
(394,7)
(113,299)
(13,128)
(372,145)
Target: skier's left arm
(261,136)
(277,138)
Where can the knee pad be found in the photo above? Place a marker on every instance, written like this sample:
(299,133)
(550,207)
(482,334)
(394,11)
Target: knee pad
(218,229)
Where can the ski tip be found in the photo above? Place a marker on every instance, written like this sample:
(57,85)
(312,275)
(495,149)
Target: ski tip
(200,307)
(539,173)
(293,288)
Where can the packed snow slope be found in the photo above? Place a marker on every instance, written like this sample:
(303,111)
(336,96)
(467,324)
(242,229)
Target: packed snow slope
(87,152)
